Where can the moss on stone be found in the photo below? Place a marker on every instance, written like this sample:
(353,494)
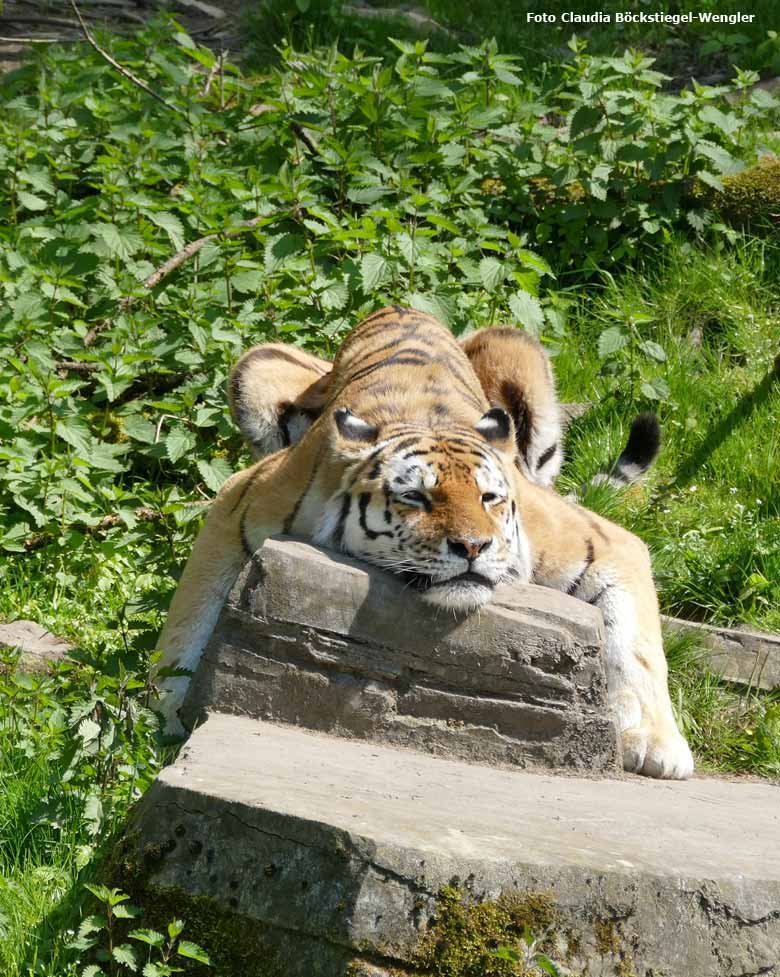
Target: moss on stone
(464,933)
(750,198)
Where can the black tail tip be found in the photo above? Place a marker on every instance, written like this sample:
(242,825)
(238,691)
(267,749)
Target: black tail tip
(644,441)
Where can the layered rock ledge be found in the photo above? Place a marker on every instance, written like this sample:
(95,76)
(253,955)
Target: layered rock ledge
(322,641)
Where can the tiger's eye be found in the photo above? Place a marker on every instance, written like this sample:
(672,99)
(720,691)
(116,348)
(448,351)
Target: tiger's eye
(414,497)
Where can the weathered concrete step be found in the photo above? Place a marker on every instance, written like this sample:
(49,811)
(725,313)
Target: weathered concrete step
(338,849)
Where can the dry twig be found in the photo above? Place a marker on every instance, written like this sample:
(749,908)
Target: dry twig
(76,366)
(33,40)
(192,249)
(120,68)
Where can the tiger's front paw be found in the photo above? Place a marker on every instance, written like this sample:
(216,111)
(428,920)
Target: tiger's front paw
(663,754)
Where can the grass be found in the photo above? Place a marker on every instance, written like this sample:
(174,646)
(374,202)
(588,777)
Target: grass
(54,827)
(99,467)
(711,509)
(728,729)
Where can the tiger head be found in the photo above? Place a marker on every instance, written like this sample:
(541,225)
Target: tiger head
(434,506)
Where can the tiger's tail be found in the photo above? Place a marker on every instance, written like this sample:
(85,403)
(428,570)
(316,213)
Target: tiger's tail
(636,458)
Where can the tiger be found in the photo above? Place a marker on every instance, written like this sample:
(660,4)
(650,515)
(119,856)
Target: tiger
(408,466)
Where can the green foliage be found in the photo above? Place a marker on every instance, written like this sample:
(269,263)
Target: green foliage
(603,164)
(631,361)
(155,957)
(365,183)
(728,729)
(77,748)
(710,511)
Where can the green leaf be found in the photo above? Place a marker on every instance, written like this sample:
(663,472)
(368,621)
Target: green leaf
(126,911)
(76,432)
(278,249)
(527,312)
(710,179)
(206,416)
(547,965)
(30,202)
(215,472)
(437,304)
(175,927)
(508,77)
(148,936)
(727,122)
(193,952)
(653,350)
(171,224)
(93,970)
(373,271)
(599,181)
(178,443)
(120,241)
(367,195)
(506,953)
(611,341)
(584,118)
(438,221)
(125,955)
(660,387)
(156,970)
(248,281)
(335,296)
(491,273)
(93,814)
(139,428)
(697,221)
(92,924)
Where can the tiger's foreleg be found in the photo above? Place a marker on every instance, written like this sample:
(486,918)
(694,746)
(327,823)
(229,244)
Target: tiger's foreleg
(590,558)
(225,542)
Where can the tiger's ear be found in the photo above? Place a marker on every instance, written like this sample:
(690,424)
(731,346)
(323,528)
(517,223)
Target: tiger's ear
(496,427)
(354,428)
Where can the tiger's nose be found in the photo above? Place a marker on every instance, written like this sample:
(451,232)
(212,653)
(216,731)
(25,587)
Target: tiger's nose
(468,547)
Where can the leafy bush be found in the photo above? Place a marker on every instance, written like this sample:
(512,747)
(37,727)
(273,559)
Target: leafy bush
(77,748)
(606,163)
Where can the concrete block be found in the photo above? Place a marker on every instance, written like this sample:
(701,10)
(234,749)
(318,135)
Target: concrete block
(334,851)
(739,655)
(322,641)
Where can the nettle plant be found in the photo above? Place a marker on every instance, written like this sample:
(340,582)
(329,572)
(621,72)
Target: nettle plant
(151,953)
(606,162)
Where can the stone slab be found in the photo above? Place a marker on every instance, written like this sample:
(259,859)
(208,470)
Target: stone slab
(338,849)
(39,647)
(745,657)
(320,640)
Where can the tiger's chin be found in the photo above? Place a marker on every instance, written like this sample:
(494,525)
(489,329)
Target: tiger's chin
(466,592)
